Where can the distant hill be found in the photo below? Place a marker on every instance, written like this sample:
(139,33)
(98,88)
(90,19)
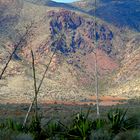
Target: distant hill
(121,13)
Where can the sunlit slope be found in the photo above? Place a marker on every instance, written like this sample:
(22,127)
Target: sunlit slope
(71,73)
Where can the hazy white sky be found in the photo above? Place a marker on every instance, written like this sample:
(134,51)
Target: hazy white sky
(65,1)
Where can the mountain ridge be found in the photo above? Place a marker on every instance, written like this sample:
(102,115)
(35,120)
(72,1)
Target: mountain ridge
(72,68)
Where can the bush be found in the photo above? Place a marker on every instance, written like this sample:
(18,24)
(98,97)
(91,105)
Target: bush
(11,135)
(100,135)
(11,125)
(128,135)
(81,127)
(35,129)
(52,128)
(23,137)
(7,134)
(99,123)
(119,121)
(117,127)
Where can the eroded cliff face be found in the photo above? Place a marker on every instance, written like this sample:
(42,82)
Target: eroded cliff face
(80,32)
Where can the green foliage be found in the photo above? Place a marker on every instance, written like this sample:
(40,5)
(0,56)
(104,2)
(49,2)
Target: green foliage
(35,125)
(23,137)
(99,123)
(119,121)
(11,125)
(81,127)
(35,128)
(100,134)
(117,127)
(52,128)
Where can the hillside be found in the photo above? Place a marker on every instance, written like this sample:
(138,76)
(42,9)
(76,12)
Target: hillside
(71,74)
(120,13)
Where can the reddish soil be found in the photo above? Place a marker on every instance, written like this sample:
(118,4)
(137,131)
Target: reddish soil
(104,101)
(108,98)
(105,63)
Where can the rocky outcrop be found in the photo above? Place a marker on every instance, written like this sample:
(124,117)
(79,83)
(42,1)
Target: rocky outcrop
(80,32)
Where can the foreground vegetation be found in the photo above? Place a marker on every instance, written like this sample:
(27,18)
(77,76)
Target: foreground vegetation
(116,124)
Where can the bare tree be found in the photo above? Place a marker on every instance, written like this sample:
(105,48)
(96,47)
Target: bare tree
(58,40)
(35,85)
(96,63)
(21,43)
(96,84)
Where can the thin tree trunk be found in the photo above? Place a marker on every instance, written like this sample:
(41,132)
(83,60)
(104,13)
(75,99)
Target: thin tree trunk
(38,89)
(10,58)
(35,85)
(97,85)
(96,64)
(19,44)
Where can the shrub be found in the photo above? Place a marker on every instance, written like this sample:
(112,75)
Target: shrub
(52,128)
(35,129)
(6,134)
(100,134)
(119,121)
(99,123)
(81,127)
(11,125)
(128,135)
(23,137)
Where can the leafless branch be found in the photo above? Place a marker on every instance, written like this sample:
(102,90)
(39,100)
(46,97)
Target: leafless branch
(35,84)
(38,89)
(96,64)
(21,43)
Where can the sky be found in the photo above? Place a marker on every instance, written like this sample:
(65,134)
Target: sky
(65,1)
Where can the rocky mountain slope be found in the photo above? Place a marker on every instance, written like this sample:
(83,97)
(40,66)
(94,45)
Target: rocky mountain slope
(121,13)
(71,29)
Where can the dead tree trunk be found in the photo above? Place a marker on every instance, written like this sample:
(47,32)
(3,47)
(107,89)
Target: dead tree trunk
(97,85)
(35,84)
(21,43)
(96,64)
(58,40)
(37,91)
